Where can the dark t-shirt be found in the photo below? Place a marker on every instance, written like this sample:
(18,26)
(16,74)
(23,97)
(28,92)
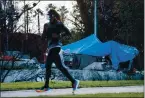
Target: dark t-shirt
(56,29)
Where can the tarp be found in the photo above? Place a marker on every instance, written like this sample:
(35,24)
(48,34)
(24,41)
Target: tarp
(94,47)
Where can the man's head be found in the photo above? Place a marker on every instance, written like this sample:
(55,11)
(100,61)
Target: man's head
(53,16)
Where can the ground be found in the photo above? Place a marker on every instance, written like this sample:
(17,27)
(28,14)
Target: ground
(68,91)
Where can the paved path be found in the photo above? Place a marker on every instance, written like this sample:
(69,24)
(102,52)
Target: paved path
(68,91)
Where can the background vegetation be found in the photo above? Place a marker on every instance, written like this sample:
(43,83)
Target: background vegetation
(118,20)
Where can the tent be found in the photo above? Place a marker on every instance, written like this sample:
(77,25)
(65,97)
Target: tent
(94,47)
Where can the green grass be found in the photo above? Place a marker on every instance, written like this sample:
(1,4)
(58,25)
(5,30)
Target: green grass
(67,84)
(135,95)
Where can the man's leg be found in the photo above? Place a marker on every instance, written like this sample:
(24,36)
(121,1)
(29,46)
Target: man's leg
(60,65)
(47,74)
(48,65)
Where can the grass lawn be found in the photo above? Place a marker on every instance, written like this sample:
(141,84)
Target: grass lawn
(67,84)
(106,95)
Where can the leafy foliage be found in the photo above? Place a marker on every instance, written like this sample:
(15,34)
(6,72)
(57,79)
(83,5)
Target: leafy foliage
(78,30)
(119,20)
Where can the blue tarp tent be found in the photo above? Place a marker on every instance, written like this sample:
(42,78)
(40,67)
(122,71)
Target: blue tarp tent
(94,47)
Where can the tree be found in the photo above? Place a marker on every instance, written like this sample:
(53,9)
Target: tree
(63,11)
(86,7)
(118,20)
(131,30)
(38,12)
(112,15)
(78,30)
(9,17)
(50,6)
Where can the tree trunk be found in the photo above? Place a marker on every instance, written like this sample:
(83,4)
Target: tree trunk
(38,24)
(85,16)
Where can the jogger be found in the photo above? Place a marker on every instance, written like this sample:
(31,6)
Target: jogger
(53,32)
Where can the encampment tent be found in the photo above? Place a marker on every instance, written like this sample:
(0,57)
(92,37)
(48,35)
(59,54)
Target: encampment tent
(94,47)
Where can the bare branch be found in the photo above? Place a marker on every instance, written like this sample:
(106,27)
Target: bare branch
(27,9)
(18,28)
(76,18)
(74,23)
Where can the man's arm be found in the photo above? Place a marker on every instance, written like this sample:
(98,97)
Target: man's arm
(44,35)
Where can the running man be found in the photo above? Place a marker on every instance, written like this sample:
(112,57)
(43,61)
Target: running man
(51,33)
